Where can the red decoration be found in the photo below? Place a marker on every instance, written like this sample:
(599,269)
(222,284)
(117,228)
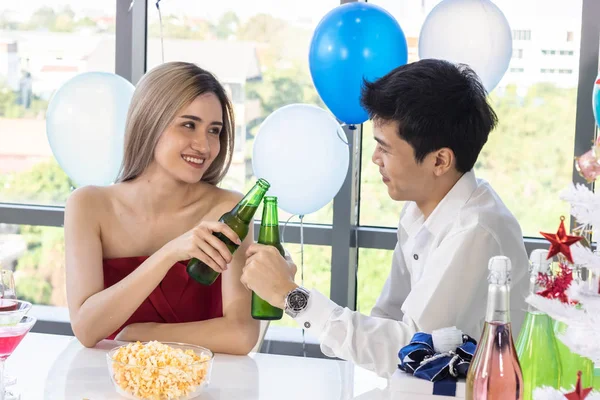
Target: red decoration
(556,286)
(560,241)
(579,393)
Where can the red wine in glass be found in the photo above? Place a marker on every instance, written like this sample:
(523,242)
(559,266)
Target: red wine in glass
(8,305)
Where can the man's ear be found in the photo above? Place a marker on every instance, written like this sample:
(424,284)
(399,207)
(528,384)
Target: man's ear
(444,161)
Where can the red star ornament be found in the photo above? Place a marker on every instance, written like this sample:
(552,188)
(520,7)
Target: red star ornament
(579,393)
(560,241)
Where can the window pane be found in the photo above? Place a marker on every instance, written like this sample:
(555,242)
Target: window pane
(258,50)
(528,158)
(376,207)
(41,47)
(37,256)
(373,269)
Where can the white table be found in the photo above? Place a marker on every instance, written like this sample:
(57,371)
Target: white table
(59,367)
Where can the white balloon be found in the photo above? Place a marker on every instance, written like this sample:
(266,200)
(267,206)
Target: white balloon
(85,125)
(299,151)
(472,32)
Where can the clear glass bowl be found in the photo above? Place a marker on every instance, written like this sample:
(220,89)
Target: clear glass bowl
(142,382)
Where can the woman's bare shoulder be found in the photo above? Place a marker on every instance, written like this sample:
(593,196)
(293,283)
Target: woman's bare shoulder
(227,196)
(90,200)
(223,200)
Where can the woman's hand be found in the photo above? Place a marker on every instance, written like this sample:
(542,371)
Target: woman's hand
(200,243)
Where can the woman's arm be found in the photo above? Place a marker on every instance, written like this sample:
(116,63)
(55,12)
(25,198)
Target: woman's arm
(234,333)
(96,312)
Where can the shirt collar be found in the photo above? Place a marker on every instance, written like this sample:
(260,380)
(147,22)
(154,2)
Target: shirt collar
(446,210)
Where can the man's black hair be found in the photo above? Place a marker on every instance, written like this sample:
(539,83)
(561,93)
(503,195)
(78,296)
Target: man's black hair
(437,104)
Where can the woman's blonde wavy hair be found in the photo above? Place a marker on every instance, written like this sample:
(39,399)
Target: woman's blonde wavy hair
(159,95)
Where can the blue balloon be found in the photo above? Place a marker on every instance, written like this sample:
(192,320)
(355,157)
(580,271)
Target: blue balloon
(354,41)
(85,125)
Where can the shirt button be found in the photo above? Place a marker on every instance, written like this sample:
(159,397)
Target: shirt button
(307,324)
(416,256)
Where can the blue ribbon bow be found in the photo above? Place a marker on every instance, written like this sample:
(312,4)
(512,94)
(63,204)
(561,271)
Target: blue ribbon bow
(420,359)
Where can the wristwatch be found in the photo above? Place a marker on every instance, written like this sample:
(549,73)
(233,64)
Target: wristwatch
(296,301)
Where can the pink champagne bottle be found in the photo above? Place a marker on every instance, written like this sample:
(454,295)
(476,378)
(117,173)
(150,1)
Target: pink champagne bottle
(495,373)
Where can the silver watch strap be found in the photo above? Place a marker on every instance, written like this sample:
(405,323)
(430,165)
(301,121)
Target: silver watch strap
(291,307)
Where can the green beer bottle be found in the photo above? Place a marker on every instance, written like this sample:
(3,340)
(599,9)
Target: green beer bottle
(269,235)
(238,219)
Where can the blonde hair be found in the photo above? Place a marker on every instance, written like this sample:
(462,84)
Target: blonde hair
(159,95)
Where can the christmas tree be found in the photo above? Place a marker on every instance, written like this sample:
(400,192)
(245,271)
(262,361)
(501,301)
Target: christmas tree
(572,291)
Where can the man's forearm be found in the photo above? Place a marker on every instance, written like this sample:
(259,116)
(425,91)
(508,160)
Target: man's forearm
(370,342)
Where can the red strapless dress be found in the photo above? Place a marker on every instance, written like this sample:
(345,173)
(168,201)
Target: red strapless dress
(178,298)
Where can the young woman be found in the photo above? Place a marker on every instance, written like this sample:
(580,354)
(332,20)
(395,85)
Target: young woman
(127,244)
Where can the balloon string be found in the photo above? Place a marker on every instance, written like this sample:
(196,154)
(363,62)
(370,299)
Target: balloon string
(302,250)
(301,264)
(302,274)
(162,44)
(339,133)
(283,230)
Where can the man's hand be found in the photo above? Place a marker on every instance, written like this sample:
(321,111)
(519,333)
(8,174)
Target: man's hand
(268,274)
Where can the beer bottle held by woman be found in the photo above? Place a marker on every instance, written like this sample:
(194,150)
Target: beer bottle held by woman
(238,219)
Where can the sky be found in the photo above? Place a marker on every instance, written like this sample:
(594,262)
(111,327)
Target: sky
(309,9)
(410,13)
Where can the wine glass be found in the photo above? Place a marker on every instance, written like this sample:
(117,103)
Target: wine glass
(7,287)
(7,303)
(10,337)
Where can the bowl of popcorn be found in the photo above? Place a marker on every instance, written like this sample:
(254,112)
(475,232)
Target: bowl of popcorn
(160,371)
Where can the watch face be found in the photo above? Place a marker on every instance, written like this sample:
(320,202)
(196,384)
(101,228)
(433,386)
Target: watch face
(298,301)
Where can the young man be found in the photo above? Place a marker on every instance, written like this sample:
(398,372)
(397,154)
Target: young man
(431,119)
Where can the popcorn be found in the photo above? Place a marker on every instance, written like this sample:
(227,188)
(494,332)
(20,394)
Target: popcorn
(156,371)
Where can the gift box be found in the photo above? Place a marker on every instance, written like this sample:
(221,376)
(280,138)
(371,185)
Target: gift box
(402,382)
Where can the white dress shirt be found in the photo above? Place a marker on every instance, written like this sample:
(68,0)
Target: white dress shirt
(438,279)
